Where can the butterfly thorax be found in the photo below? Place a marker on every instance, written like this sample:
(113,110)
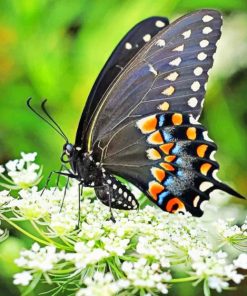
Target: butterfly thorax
(86,169)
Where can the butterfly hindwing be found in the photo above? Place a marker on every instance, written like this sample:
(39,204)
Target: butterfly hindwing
(128,47)
(169,157)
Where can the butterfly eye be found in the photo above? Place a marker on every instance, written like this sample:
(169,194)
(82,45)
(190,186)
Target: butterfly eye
(64,158)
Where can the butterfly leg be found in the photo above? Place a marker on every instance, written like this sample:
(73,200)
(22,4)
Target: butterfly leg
(70,175)
(64,194)
(80,191)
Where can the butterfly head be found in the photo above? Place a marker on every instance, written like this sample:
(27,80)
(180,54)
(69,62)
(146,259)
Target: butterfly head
(68,151)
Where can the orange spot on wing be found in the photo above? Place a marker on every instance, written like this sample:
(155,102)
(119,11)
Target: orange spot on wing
(175,205)
(154,188)
(155,138)
(170,158)
(158,174)
(167,166)
(147,124)
(205,168)
(191,133)
(201,150)
(153,154)
(164,106)
(166,148)
(177,118)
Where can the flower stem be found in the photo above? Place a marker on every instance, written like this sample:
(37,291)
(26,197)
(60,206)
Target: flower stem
(183,280)
(59,246)
(35,238)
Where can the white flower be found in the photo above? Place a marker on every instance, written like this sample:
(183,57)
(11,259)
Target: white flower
(142,274)
(217,283)
(102,284)
(11,165)
(42,259)
(22,278)
(86,254)
(115,245)
(28,156)
(241,261)
(62,224)
(2,169)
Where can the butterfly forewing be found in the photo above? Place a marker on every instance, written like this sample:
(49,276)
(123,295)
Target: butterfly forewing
(169,73)
(128,47)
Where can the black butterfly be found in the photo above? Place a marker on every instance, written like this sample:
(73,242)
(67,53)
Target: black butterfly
(140,121)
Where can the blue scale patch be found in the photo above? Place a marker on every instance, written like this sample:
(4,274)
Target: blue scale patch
(167,136)
(180,173)
(161,120)
(179,161)
(162,196)
(176,149)
(168,181)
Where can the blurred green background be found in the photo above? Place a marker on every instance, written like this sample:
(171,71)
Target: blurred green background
(55,48)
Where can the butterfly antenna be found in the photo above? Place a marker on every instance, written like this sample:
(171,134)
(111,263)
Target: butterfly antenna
(58,130)
(50,117)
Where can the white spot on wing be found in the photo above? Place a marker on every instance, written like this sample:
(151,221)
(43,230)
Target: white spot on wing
(193,120)
(186,34)
(201,56)
(207,30)
(214,174)
(204,43)
(207,18)
(192,102)
(198,71)
(205,186)
(159,24)
(160,43)
(175,62)
(147,37)
(206,137)
(172,76)
(179,48)
(128,45)
(211,156)
(196,200)
(151,69)
(195,86)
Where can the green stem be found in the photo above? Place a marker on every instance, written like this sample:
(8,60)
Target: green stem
(59,246)
(183,280)
(7,179)
(33,237)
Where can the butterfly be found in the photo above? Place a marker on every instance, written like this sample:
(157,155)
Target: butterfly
(140,121)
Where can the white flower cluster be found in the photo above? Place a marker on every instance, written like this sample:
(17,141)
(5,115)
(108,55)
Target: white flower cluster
(216,268)
(39,259)
(22,173)
(144,275)
(234,234)
(137,254)
(102,284)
